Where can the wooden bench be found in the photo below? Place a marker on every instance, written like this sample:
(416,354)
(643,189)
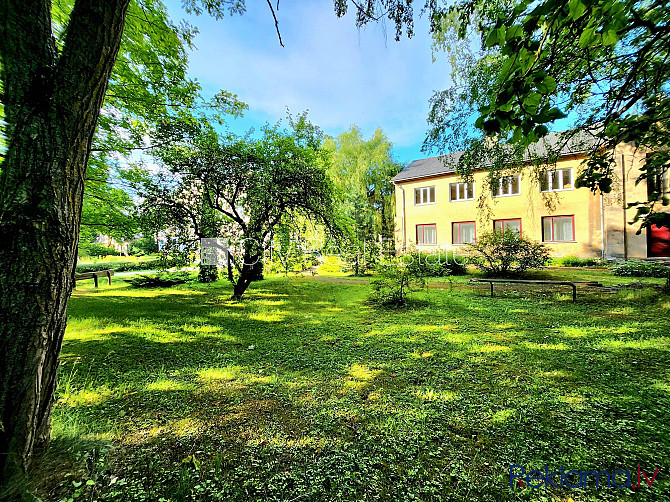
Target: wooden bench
(94,276)
(572,284)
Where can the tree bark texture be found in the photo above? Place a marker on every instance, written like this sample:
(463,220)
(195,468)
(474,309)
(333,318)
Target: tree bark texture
(52,103)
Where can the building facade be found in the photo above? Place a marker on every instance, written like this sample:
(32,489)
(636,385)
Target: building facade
(435,208)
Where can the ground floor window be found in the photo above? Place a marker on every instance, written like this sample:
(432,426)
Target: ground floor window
(426,234)
(502,225)
(463,232)
(558,228)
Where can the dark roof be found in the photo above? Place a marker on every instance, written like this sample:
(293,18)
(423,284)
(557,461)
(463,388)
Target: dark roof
(446,164)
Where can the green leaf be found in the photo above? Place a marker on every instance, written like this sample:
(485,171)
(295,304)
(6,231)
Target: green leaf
(547,86)
(577,8)
(587,37)
(532,101)
(493,38)
(610,37)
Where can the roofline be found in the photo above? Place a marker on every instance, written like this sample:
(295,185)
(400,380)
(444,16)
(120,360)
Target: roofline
(440,175)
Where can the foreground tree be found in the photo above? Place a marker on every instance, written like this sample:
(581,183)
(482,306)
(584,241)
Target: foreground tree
(603,64)
(53,87)
(243,189)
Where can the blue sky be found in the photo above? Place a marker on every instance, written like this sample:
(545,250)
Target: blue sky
(342,75)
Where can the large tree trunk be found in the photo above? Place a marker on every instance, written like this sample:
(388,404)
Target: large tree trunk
(52,104)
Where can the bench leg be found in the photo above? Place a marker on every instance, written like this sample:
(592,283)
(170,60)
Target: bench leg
(574,293)
(491,289)
(95,280)
(109,278)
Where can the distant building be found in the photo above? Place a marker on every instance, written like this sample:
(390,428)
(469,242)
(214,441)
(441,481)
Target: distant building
(435,209)
(120,247)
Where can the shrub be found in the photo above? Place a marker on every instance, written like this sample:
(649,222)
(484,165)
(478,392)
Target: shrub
(576,261)
(124,266)
(95,249)
(395,281)
(637,268)
(508,253)
(160,280)
(435,264)
(208,273)
(145,245)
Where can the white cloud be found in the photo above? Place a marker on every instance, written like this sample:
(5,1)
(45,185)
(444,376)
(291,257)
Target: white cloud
(341,75)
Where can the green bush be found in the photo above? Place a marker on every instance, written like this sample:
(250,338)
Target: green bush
(95,249)
(125,266)
(576,261)
(434,264)
(160,280)
(638,268)
(208,273)
(395,282)
(143,246)
(507,254)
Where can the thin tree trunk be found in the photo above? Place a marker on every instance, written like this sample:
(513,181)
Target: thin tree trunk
(52,106)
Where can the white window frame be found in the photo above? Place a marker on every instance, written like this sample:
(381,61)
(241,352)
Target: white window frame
(508,181)
(425,195)
(458,185)
(550,178)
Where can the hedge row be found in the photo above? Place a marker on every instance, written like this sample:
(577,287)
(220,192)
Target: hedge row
(122,266)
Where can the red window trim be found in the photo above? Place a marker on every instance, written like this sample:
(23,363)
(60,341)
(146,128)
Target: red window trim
(417,233)
(510,219)
(552,227)
(459,223)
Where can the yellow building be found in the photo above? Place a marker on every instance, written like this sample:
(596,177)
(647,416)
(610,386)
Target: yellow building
(436,209)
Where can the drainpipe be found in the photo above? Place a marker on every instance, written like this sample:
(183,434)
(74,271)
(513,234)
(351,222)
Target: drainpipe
(625,223)
(404,232)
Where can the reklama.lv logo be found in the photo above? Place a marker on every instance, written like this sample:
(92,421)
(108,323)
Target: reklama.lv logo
(578,479)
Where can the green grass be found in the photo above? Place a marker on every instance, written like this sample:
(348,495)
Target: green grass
(304,392)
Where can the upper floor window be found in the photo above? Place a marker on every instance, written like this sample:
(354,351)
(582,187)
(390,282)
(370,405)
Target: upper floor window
(553,181)
(558,228)
(511,224)
(508,185)
(461,191)
(424,195)
(426,235)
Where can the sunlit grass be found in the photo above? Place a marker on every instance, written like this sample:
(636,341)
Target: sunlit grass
(303,382)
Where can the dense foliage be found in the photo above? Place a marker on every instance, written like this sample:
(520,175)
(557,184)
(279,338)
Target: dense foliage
(604,64)
(508,253)
(576,261)
(361,170)
(160,280)
(638,268)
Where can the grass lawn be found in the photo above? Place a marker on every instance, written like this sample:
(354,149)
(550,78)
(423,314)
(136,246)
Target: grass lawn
(304,392)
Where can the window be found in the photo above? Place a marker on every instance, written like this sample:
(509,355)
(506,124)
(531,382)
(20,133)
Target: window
(558,228)
(463,232)
(424,195)
(502,225)
(426,235)
(461,191)
(508,185)
(553,181)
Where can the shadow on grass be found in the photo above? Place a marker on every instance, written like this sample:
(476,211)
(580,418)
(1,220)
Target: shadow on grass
(305,392)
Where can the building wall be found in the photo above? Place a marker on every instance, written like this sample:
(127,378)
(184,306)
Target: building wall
(530,206)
